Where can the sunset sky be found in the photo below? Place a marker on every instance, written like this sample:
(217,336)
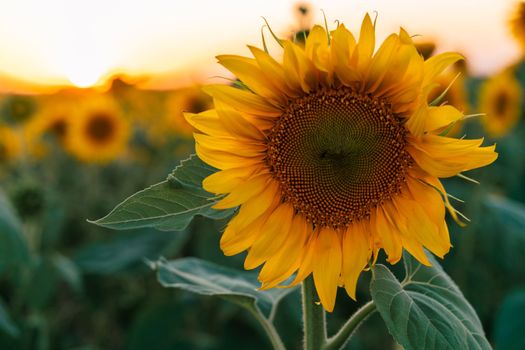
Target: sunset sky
(54,42)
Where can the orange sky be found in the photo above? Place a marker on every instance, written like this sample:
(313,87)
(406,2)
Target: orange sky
(56,42)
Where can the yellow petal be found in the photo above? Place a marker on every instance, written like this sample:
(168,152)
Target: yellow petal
(242,100)
(441,117)
(249,189)
(275,70)
(366,45)
(231,145)
(225,181)
(342,47)
(379,65)
(445,156)
(236,124)
(416,122)
(327,266)
(389,236)
(357,250)
(283,264)
(225,160)
(272,235)
(247,70)
(207,122)
(298,67)
(242,231)
(435,65)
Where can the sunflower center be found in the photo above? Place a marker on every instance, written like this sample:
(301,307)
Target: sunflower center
(501,103)
(337,154)
(100,128)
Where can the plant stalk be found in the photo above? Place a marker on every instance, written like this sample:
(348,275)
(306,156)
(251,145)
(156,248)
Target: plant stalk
(344,334)
(314,319)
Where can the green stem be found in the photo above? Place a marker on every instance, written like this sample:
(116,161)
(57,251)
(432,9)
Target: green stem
(344,334)
(313,317)
(270,330)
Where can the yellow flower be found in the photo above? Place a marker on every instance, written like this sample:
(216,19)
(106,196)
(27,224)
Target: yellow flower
(331,155)
(517,23)
(500,98)
(99,132)
(10,146)
(53,120)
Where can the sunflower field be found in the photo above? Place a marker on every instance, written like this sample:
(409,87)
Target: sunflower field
(340,192)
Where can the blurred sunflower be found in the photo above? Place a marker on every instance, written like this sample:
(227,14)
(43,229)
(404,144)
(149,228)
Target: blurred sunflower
(500,98)
(332,155)
(99,132)
(517,23)
(10,145)
(184,100)
(17,109)
(53,120)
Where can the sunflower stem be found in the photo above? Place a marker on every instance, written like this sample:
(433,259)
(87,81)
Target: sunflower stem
(314,320)
(270,330)
(344,334)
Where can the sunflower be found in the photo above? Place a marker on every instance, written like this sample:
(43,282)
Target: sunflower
(331,155)
(500,98)
(517,23)
(10,145)
(99,132)
(53,120)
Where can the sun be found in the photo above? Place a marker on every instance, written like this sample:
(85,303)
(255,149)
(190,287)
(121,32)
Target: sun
(84,77)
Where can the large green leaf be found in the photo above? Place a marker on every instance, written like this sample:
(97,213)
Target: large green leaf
(127,250)
(426,310)
(13,247)
(206,278)
(510,322)
(169,205)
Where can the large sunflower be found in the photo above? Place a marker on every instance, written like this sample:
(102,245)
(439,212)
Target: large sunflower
(99,132)
(500,98)
(331,155)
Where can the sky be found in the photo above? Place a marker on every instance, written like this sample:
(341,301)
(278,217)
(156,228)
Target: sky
(55,42)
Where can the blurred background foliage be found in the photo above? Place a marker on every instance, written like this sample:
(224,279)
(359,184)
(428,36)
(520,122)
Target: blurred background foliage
(75,154)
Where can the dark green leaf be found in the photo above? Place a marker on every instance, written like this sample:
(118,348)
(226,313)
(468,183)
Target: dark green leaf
(426,310)
(127,250)
(510,322)
(205,278)
(169,205)
(13,248)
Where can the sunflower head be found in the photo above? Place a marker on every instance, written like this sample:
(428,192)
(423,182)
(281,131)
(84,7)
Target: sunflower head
(331,154)
(500,99)
(17,109)
(51,123)
(99,132)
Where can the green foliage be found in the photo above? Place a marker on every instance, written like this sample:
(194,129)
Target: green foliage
(510,322)
(169,205)
(13,247)
(206,278)
(426,310)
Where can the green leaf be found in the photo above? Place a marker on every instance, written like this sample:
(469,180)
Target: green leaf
(169,205)
(13,247)
(426,310)
(206,278)
(510,322)
(6,324)
(127,250)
